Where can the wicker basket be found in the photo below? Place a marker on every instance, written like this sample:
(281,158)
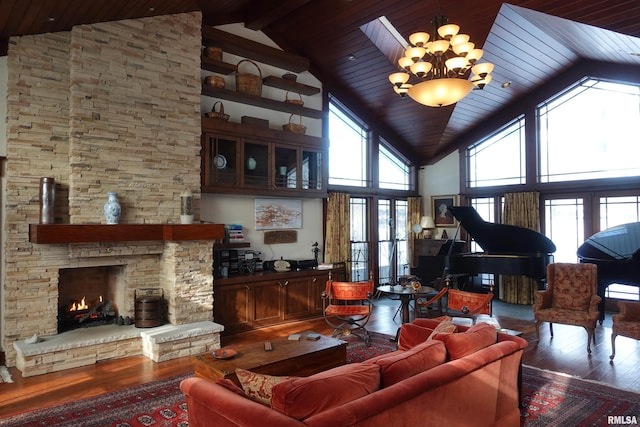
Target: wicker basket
(295,127)
(213,53)
(250,84)
(215,81)
(220,115)
(299,102)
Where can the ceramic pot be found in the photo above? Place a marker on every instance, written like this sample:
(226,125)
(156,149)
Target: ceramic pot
(251,163)
(112,209)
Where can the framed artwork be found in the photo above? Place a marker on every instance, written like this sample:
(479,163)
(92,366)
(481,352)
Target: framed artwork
(441,215)
(278,214)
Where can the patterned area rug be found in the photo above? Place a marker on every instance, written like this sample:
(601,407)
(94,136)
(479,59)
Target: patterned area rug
(560,400)
(550,399)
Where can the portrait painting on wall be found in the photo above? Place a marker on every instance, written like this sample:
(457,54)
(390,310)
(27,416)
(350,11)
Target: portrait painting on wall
(441,215)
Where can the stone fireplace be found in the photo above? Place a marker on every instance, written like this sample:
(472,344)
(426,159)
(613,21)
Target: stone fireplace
(109,107)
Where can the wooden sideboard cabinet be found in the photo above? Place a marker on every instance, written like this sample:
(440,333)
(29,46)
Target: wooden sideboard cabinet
(264,299)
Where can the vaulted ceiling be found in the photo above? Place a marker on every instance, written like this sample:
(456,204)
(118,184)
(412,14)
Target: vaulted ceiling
(530,42)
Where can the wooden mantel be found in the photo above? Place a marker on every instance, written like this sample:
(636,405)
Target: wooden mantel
(96,233)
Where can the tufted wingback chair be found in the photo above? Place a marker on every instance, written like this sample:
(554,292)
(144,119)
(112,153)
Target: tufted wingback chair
(625,323)
(570,298)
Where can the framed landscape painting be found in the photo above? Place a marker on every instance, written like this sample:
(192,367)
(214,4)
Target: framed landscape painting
(441,215)
(274,214)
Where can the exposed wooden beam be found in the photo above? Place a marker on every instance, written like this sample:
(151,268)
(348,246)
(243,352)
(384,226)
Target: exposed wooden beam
(262,14)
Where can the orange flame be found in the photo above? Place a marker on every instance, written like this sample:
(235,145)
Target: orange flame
(82,305)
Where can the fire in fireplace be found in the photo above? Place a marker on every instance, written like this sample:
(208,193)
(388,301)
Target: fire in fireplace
(80,314)
(90,296)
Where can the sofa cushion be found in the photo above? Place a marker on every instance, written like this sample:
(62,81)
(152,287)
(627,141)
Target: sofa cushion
(301,398)
(473,339)
(258,386)
(401,365)
(231,386)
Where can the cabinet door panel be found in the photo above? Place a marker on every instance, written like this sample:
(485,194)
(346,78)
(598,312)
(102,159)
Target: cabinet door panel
(232,307)
(297,298)
(268,306)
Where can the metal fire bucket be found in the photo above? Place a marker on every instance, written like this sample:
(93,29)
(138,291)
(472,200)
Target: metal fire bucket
(149,307)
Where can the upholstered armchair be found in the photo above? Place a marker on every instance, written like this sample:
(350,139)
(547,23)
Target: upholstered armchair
(625,323)
(570,298)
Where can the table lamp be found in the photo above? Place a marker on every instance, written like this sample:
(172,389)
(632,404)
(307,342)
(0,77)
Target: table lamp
(427,225)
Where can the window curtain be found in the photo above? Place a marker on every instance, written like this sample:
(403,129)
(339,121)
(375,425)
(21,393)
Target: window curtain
(337,242)
(414,215)
(523,210)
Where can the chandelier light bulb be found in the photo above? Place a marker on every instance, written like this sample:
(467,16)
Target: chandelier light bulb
(482,69)
(419,39)
(421,68)
(463,48)
(457,64)
(474,55)
(459,38)
(405,62)
(438,47)
(398,79)
(415,53)
(448,31)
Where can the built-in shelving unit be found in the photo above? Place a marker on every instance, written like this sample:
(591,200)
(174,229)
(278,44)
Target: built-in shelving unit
(97,233)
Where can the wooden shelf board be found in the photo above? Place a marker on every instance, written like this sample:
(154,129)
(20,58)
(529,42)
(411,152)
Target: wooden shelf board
(280,83)
(97,233)
(258,101)
(214,66)
(250,49)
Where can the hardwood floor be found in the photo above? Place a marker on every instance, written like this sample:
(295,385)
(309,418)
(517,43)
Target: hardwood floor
(566,352)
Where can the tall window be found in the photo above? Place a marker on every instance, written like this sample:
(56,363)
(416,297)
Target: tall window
(499,159)
(394,172)
(347,150)
(379,228)
(564,225)
(594,124)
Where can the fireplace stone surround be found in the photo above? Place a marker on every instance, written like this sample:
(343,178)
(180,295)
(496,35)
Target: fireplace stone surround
(105,107)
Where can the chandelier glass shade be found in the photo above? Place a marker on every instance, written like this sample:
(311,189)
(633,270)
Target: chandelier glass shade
(440,67)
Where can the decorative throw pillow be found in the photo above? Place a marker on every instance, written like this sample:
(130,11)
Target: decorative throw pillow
(473,339)
(301,398)
(258,386)
(444,327)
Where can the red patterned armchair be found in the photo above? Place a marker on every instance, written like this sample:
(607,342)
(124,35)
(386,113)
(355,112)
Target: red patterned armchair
(570,298)
(625,323)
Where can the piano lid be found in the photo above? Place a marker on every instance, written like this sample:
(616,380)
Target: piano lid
(501,238)
(616,243)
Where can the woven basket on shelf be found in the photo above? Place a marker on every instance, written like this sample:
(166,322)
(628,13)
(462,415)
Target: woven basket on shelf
(213,53)
(295,127)
(250,84)
(294,101)
(220,115)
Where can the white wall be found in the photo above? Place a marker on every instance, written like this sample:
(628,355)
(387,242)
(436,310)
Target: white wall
(229,209)
(440,179)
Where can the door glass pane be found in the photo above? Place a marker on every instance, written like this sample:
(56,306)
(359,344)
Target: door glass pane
(385,244)
(564,225)
(402,231)
(311,170)
(222,161)
(256,165)
(617,211)
(359,239)
(286,167)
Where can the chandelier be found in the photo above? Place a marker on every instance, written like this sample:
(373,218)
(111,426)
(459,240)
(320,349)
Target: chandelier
(441,66)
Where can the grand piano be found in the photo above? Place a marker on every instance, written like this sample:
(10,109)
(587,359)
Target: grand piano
(508,249)
(616,252)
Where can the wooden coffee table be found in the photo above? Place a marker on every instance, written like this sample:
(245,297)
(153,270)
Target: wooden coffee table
(288,357)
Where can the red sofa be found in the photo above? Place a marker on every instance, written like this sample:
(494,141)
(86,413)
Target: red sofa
(468,378)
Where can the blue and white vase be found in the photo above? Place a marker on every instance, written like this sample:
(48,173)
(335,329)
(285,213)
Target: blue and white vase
(112,209)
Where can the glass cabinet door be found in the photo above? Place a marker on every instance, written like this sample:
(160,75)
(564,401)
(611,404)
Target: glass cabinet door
(286,167)
(220,161)
(312,177)
(256,165)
